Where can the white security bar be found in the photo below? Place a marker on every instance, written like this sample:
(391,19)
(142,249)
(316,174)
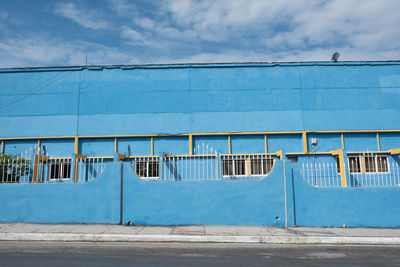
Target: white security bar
(378,171)
(20,169)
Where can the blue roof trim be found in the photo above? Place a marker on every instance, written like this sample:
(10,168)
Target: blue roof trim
(41,69)
(201,65)
(383,63)
(95,68)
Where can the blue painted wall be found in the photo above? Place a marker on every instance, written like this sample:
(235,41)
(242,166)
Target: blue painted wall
(58,147)
(353,207)
(140,146)
(247,144)
(219,143)
(225,202)
(177,145)
(255,202)
(131,100)
(96,146)
(325,142)
(287,142)
(20,146)
(352,142)
(197,98)
(90,202)
(389,140)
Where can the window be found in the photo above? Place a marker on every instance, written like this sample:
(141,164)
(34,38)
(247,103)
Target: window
(376,163)
(370,165)
(354,164)
(382,163)
(261,166)
(246,165)
(234,166)
(337,164)
(147,168)
(59,169)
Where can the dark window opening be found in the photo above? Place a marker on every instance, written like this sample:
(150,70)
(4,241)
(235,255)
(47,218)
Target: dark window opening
(234,167)
(354,164)
(147,168)
(261,166)
(59,170)
(337,164)
(376,163)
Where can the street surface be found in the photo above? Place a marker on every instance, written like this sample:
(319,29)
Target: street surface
(192,254)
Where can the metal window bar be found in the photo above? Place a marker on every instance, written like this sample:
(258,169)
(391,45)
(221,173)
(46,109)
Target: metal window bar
(245,166)
(90,168)
(324,175)
(147,167)
(20,170)
(201,165)
(59,169)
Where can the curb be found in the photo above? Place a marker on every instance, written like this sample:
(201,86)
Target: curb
(199,239)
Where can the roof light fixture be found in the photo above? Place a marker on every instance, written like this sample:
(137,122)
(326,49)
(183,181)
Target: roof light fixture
(335,57)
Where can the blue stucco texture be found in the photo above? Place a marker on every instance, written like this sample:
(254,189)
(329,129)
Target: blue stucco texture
(235,98)
(224,202)
(89,202)
(351,207)
(176,99)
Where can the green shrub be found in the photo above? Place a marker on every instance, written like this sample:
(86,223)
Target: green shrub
(12,168)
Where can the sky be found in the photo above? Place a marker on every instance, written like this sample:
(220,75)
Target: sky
(64,33)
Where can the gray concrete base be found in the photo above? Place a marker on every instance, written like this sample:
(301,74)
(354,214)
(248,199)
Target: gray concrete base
(200,239)
(197,233)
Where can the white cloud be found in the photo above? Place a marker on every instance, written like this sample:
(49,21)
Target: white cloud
(131,34)
(44,51)
(151,29)
(6,18)
(145,23)
(220,31)
(351,21)
(123,8)
(226,56)
(147,39)
(318,54)
(218,21)
(296,28)
(284,30)
(366,28)
(86,18)
(315,21)
(136,38)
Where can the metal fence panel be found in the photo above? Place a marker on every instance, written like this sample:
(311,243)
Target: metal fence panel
(45,169)
(385,174)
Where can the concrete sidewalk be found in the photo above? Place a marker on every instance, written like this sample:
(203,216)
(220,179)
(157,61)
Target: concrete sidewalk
(201,233)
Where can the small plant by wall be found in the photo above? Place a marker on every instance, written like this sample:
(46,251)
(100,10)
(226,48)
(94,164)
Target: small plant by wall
(12,168)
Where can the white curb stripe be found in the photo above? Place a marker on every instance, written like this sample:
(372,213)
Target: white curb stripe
(200,239)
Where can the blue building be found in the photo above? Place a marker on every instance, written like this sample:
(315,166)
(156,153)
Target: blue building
(335,125)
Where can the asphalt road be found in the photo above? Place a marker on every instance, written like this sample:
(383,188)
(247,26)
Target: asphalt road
(189,254)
